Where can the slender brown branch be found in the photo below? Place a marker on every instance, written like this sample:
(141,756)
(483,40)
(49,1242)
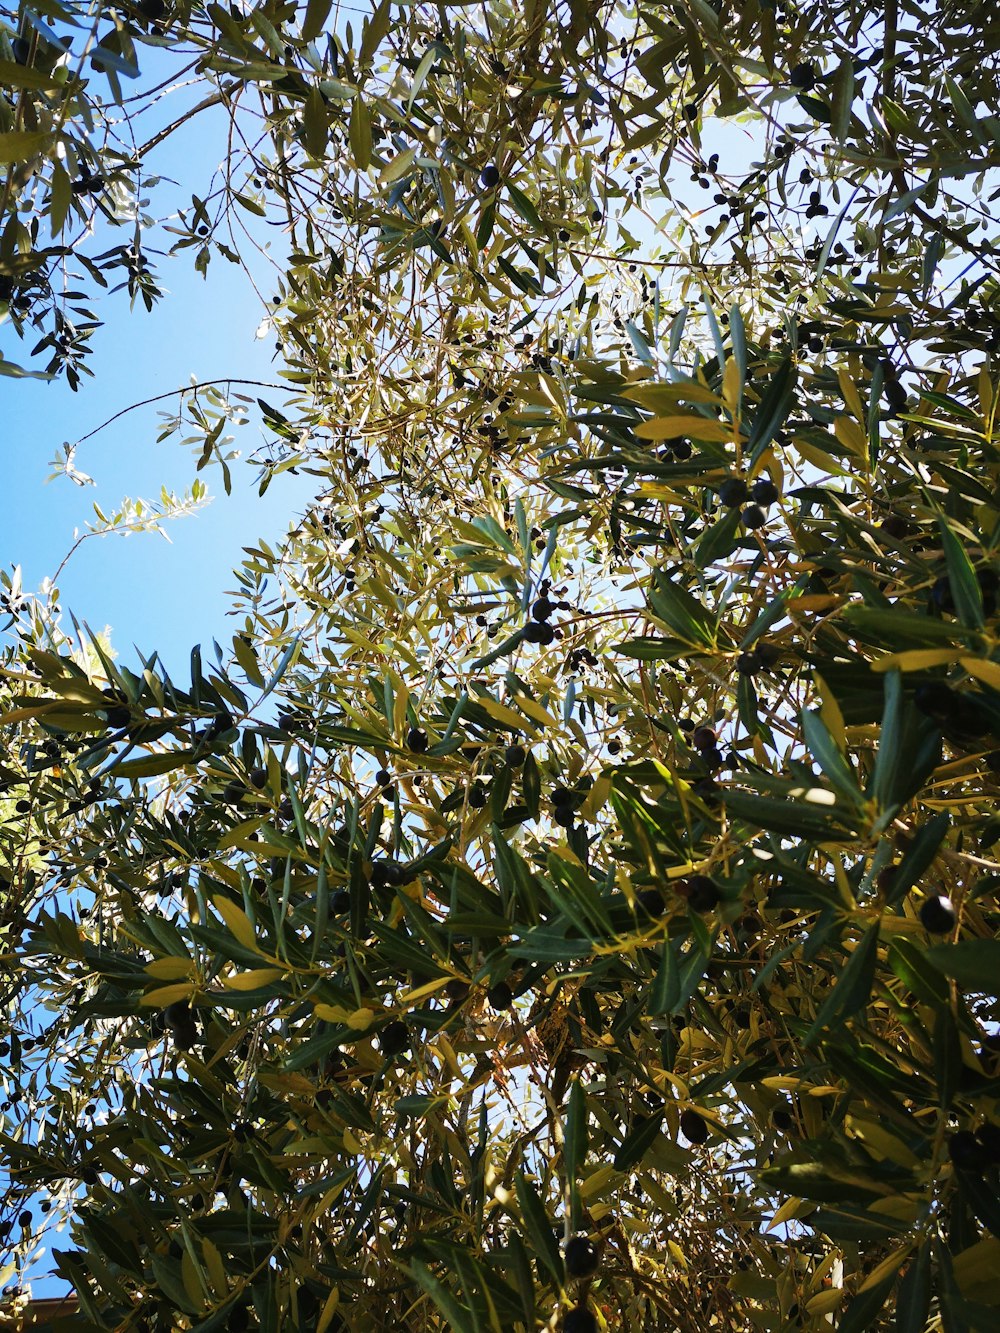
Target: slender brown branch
(159,398)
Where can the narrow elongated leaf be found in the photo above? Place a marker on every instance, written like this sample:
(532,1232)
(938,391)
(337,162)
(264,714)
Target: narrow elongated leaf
(638,1141)
(974,964)
(538,1226)
(866,1306)
(773,409)
(674,605)
(914,1296)
(829,756)
(576,1135)
(852,990)
(919,856)
(965,589)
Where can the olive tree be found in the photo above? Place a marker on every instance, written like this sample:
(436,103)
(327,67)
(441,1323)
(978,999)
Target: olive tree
(567,899)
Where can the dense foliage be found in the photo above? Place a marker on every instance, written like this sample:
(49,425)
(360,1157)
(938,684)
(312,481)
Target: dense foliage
(570,899)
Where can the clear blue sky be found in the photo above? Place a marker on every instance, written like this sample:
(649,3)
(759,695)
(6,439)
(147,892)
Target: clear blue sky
(155,594)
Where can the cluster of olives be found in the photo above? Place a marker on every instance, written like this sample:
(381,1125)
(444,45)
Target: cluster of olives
(704,741)
(678,449)
(581,1259)
(700,892)
(761,657)
(182,1024)
(538,629)
(565,804)
(734,491)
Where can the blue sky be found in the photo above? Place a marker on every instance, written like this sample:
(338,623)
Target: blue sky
(154,594)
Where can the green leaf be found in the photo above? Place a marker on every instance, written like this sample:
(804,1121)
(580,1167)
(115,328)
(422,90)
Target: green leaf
(149,765)
(665,993)
(773,410)
(316,15)
(458,1316)
(360,134)
(843,97)
(909,751)
(718,541)
(974,964)
(913,1299)
(531,786)
(981,1196)
(963,107)
(19,145)
(538,1227)
(576,1133)
(829,756)
(965,589)
(671,602)
(852,991)
(919,856)
(638,1141)
(646,648)
(866,1307)
(796,816)
(525,207)
(738,340)
(916,972)
(420,75)
(947,1050)
(901,629)
(314,123)
(13,75)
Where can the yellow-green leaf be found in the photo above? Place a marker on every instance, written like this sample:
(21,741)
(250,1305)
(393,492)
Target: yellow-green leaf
(238,922)
(360,132)
(254,977)
(19,145)
(329,1310)
(687,424)
(214,1265)
(164,995)
(824,1302)
(983,669)
(507,716)
(169,969)
(663,398)
(850,395)
(916,659)
(399,166)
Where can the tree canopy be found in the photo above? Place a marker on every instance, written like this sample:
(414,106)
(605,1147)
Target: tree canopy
(568,897)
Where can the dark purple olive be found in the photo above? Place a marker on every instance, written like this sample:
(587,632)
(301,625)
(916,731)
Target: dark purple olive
(803,76)
(579,1320)
(733,492)
(693,1127)
(764,491)
(394,1038)
(937,915)
(581,1257)
(702,893)
(538,632)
